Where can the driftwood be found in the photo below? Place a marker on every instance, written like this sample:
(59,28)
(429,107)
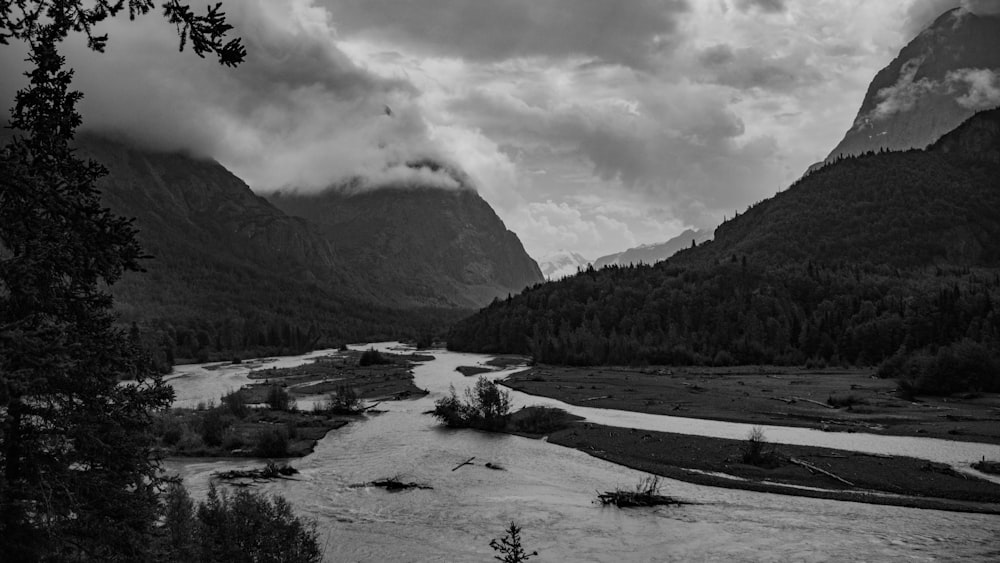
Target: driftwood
(646,493)
(596,398)
(783,400)
(464,463)
(815,469)
(824,405)
(270,471)
(394,484)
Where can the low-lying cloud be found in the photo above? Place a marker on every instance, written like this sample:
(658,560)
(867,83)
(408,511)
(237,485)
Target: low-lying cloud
(298,113)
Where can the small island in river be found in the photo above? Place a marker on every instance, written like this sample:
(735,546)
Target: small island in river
(262,419)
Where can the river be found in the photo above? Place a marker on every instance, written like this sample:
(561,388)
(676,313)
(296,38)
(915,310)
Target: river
(549,490)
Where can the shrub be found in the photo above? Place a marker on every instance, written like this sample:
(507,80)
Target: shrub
(756,451)
(271,442)
(236,403)
(486,407)
(345,400)
(848,401)
(509,547)
(371,357)
(540,420)
(961,366)
(232,440)
(278,399)
(248,526)
(213,426)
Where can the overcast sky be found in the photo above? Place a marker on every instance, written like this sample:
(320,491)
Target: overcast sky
(588,125)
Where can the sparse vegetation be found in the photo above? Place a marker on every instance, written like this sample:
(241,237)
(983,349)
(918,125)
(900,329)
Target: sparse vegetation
(278,399)
(756,450)
(345,400)
(509,548)
(372,357)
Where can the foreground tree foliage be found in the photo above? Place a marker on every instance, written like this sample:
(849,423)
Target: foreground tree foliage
(77,478)
(246,526)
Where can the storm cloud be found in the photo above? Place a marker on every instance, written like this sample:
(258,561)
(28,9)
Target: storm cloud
(632,33)
(587,124)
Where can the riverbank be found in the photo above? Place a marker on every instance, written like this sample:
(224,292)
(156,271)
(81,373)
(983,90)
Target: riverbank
(745,396)
(835,400)
(896,481)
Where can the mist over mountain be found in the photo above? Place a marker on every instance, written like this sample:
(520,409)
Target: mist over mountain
(944,75)
(561,263)
(653,253)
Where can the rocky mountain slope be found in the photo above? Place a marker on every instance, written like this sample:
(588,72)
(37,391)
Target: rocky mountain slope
(419,245)
(944,75)
(653,253)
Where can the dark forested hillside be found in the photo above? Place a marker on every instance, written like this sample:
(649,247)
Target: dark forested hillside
(419,245)
(230,274)
(867,257)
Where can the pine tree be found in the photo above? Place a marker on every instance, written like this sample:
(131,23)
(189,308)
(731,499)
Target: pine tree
(77,476)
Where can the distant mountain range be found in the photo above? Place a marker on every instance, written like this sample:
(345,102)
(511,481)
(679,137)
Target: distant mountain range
(653,253)
(231,271)
(561,263)
(944,75)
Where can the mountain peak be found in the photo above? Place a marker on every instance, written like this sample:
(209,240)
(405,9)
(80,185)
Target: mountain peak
(939,79)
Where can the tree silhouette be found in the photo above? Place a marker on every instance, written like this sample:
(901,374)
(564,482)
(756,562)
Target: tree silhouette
(77,476)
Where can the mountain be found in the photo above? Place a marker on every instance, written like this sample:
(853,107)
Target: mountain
(418,245)
(653,253)
(561,263)
(880,256)
(944,75)
(229,272)
(918,208)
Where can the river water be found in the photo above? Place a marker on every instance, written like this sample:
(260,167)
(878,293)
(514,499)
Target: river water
(549,490)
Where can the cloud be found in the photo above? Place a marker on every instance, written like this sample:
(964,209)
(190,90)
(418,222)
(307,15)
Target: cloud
(750,67)
(632,33)
(298,113)
(766,6)
(905,93)
(983,88)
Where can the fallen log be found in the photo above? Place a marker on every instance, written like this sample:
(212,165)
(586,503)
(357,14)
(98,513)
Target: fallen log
(270,471)
(464,463)
(394,484)
(813,468)
(814,402)
(596,398)
(783,400)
